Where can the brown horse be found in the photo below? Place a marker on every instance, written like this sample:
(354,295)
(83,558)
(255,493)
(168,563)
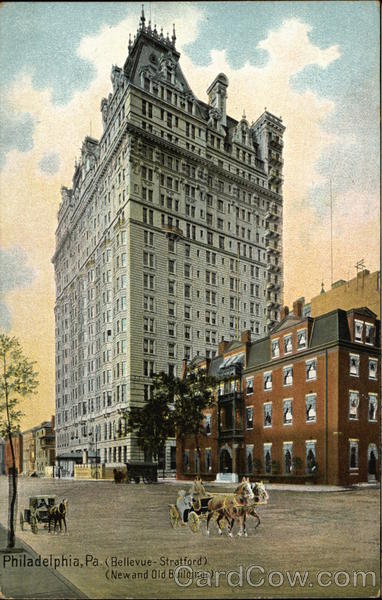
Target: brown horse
(57,514)
(261,496)
(232,507)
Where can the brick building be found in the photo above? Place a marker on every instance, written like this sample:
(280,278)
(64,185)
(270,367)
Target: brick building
(17,440)
(301,404)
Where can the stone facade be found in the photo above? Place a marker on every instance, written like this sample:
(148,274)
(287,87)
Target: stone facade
(300,405)
(170,236)
(363,290)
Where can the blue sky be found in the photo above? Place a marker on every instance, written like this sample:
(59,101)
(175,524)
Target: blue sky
(316,64)
(42,37)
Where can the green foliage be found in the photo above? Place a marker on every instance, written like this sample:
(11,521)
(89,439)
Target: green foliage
(194,394)
(153,423)
(175,405)
(17,379)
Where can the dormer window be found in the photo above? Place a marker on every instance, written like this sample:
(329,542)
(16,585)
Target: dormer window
(275,349)
(301,339)
(369,334)
(287,344)
(358,330)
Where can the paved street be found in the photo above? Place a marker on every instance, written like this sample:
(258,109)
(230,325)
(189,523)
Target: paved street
(309,532)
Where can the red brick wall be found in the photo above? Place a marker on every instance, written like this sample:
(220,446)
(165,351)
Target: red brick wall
(17,441)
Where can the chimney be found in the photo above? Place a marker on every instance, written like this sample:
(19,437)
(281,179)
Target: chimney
(297,308)
(284,312)
(222,347)
(52,422)
(246,336)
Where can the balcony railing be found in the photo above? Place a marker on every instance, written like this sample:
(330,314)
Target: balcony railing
(230,433)
(230,397)
(172,231)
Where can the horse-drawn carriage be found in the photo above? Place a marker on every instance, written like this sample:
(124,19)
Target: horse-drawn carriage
(43,510)
(197,505)
(188,511)
(136,471)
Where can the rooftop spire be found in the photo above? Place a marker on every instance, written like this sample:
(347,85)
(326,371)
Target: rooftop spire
(173,39)
(142,20)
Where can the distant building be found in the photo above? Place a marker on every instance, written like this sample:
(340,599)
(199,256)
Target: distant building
(45,446)
(17,440)
(363,290)
(29,451)
(2,456)
(301,404)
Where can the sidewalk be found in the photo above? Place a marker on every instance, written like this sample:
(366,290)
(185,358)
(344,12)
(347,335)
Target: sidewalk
(284,487)
(32,582)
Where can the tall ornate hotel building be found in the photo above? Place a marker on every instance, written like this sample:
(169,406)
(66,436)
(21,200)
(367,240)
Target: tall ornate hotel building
(169,239)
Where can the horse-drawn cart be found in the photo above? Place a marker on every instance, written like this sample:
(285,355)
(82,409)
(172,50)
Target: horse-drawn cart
(147,472)
(191,509)
(188,511)
(38,512)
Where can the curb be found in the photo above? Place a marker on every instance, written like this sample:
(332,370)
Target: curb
(29,550)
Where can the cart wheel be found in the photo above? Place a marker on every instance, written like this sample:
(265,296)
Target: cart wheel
(21,521)
(194,522)
(173,516)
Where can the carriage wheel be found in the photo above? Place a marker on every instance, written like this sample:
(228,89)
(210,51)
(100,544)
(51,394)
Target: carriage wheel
(173,516)
(21,521)
(194,522)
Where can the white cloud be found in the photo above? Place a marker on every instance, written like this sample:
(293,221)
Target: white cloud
(30,200)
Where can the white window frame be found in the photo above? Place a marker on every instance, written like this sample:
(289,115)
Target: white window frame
(286,337)
(249,379)
(373,327)
(354,393)
(310,360)
(291,409)
(264,425)
(375,361)
(278,345)
(351,355)
(375,396)
(306,339)
(313,395)
(284,369)
(357,321)
(267,389)
(246,420)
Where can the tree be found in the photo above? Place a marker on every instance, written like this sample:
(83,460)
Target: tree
(17,379)
(194,394)
(153,423)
